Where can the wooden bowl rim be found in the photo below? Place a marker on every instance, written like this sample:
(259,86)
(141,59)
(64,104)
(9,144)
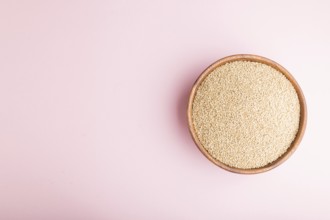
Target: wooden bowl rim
(302,102)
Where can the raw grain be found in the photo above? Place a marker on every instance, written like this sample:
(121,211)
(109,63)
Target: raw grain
(246,114)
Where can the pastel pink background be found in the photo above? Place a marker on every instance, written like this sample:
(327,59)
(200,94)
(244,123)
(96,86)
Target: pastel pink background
(93,97)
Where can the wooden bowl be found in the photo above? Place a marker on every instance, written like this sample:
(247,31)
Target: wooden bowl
(302,122)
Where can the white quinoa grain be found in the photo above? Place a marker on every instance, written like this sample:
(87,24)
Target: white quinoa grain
(246,114)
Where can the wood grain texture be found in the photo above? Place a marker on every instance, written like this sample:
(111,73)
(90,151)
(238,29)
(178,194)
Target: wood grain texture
(302,122)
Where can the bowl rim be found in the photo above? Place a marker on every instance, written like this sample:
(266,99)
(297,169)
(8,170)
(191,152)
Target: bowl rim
(302,119)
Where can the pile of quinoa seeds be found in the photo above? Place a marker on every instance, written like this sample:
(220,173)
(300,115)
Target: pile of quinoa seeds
(245,114)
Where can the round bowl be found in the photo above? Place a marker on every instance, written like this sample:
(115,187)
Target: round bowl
(302,122)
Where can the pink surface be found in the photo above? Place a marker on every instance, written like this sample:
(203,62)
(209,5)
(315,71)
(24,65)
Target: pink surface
(93,97)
